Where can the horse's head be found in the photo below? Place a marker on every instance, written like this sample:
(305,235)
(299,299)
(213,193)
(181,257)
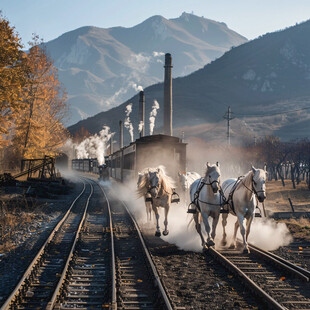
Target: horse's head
(213,175)
(259,183)
(154,182)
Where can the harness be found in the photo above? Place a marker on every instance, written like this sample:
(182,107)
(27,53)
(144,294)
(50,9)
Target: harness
(175,198)
(196,200)
(223,201)
(230,201)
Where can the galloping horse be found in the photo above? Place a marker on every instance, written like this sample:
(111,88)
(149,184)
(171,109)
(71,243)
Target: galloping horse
(240,194)
(160,186)
(204,194)
(147,197)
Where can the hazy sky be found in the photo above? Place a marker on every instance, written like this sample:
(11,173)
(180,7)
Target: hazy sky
(51,18)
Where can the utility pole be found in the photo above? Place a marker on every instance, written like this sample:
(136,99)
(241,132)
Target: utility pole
(228,117)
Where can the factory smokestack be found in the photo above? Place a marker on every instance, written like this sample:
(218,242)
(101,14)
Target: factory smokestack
(141,114)
(168,96)
(121,134)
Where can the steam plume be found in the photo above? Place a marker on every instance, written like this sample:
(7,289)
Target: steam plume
(137,87)
(94,146)
(141,124)
(127,122)
(153,114)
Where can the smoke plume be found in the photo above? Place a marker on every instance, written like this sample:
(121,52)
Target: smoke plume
(94,146)
(141,124)
(137,87)
(153,114)
(127,122)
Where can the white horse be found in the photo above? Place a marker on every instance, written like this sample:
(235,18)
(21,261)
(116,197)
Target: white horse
(241,195)
(147,198)
(185,180)
(160,186)
(204,193)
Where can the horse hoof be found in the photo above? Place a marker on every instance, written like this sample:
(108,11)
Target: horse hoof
(232,246)
(223,243)
(157,234)
(246,251)
(165,232)
(210,243)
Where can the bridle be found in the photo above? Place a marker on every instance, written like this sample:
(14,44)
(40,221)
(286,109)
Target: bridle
(212,182)
(253,190)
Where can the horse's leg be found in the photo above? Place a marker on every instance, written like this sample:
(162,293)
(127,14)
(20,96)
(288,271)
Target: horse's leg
(233,242)
(205,218)
(166,231)
(147,214)
(149,211)
(248,229)
(155,209)
(224,223)
(214,224)
(198,227)
(242,231)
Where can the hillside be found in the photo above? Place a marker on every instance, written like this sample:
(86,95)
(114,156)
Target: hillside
(261,80)
(100,68)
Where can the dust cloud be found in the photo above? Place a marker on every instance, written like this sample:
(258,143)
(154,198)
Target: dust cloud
(265,232)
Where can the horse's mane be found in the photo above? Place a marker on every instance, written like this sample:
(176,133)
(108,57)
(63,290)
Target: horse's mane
(247,180)
(143,182)
(167,182)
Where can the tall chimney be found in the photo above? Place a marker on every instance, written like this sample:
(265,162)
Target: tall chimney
(121,135)
(168,96)
(141,112)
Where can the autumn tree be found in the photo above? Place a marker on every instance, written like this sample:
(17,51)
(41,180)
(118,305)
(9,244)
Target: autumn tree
(38,127)
(12,78)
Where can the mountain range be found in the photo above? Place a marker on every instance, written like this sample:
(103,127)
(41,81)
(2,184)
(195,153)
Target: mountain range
(266,82)
(101,68)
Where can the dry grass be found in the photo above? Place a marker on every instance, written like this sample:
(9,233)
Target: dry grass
(300,228)
(12,218)
(277,197)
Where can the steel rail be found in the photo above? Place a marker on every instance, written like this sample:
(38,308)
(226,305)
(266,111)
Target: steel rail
(258,290)
(114,302)
(156,275)
(289,266)
(52,301)
(7,303)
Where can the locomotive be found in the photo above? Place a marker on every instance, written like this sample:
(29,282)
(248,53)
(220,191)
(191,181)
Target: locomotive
(148,151)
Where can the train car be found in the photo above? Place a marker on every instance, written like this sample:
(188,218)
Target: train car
(148,151)
(86,165)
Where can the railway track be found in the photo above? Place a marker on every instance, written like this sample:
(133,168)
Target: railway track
(138,285)
(95,258)
(41,277)
(110,266)
(279,283)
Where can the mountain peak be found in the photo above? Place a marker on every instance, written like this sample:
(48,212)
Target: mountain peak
(100,66)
